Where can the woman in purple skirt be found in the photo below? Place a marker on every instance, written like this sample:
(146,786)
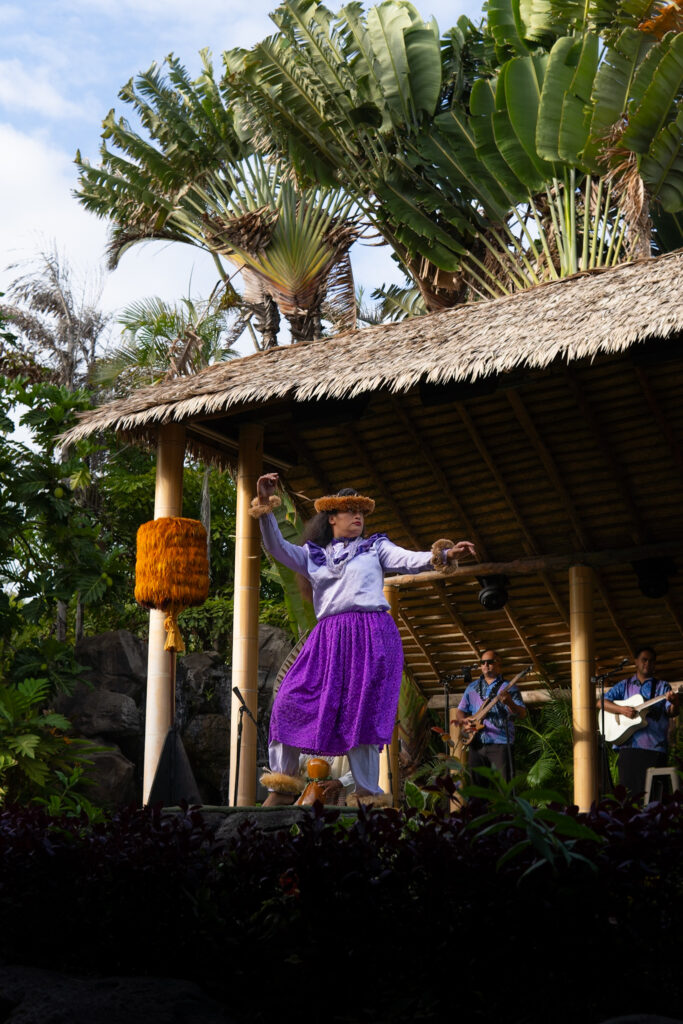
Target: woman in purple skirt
(340,695)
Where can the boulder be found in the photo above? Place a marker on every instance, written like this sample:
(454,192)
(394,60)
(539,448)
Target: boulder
(102,713)
(274,645)
(116,661)
(30,995)
(112,779)
(203,686)
(207,743)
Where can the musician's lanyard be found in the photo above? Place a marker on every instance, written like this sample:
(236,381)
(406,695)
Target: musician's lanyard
(496,685)
(653,688)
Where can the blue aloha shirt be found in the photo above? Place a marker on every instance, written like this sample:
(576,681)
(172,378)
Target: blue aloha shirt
(499,724)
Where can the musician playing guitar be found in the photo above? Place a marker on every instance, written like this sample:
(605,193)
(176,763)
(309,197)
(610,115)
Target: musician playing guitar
(492,748)
(647,747)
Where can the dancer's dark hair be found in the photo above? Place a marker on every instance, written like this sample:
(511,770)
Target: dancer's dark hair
(318,529)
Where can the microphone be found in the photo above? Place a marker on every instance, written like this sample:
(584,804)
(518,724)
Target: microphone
(599,679)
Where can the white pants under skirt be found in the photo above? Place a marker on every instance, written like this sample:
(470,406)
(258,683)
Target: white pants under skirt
(364,762)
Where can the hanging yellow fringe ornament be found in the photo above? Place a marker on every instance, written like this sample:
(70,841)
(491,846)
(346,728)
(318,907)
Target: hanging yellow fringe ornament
(171,570)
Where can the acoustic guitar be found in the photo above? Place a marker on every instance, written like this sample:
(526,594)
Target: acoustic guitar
(475,723)
(618,728)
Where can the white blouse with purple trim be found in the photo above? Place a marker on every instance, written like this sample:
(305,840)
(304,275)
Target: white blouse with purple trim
(347,575)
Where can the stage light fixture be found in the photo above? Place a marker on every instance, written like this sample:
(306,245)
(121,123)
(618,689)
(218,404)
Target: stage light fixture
(653,575)
(493,594)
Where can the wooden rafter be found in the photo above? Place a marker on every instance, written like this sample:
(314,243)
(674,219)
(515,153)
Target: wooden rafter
(659,418)
(617,472)
(439,588)
(418,643)
(429,459)
(528,543)
(555,478)
(553,563)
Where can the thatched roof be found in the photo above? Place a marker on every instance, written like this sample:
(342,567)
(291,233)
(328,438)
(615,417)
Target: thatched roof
(578,317)
(573,443)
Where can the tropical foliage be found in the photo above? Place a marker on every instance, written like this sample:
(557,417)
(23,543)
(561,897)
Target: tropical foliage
(494,157)
(161,340)
(57,319)
(191,178)
(598,881)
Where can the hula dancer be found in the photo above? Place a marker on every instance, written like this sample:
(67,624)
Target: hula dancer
(340,695)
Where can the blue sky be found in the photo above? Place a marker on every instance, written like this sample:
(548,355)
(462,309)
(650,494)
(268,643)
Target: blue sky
(62,63)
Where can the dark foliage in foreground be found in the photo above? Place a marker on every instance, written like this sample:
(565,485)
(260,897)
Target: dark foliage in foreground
(393,917)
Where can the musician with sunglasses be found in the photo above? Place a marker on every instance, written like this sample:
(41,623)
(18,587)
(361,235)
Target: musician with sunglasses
(492,748)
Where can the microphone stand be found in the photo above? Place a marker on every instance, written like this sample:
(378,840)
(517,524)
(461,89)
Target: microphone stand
(604,755)
(466,676)
(243,710)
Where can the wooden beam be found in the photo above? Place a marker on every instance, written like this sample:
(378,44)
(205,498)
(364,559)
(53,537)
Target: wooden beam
(447,491)
(551,563)
(609,457)
(432,664)
(674,448)
(306,456)
(584,714)
(388,498)
(439,587)
(390,777)
(554,476)
(548,463)
(245,617)
(660,419)
(427,456)
(168,501)
(528,541)
(541,671)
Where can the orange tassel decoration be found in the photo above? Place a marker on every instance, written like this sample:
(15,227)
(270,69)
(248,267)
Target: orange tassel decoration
(171,570)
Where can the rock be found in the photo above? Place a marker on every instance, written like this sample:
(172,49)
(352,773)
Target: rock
(102,713)
(117,661)
(112,779)
(207,742)
(273,647)
(30,995)
(203,686)
(268,819)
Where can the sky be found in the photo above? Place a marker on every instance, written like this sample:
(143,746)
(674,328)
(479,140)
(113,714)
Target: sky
(62,63)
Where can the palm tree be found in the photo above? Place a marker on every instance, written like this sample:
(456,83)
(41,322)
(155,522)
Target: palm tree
(62,326)
(161,341)
(63,329)
(191,179)
(548,140)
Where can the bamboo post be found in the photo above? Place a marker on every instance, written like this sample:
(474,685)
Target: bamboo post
(245,616)
(459,752)
(168,501)
(584,714)
(390,758)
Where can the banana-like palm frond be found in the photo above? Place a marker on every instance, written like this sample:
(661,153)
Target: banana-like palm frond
(162,340)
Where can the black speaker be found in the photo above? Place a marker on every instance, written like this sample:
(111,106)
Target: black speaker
(493,594)
(653,575)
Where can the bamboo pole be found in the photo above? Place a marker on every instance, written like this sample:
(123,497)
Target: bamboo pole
(390,758)
(584,715)
(245,616)
(458,752)
(168,501)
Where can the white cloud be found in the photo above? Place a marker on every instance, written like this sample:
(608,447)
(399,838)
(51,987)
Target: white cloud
(38,211)
(22,89)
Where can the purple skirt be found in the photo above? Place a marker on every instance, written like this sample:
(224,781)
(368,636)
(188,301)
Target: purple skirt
(342,690)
